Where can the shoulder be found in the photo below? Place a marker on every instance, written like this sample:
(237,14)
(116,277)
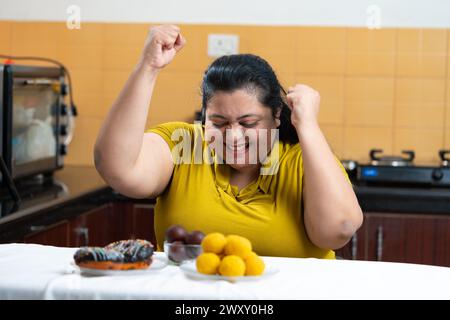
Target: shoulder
(290,152)
(171,132)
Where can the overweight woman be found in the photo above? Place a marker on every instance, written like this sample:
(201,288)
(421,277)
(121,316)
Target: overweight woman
(270,177)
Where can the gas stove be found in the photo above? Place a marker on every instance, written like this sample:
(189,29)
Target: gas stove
(401,171)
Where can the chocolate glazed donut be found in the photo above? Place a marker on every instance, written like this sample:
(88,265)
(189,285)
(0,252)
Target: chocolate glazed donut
(119,255)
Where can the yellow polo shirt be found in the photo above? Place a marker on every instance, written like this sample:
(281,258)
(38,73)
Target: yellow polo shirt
(268,211)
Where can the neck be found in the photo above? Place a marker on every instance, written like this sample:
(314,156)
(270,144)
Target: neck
(243,177)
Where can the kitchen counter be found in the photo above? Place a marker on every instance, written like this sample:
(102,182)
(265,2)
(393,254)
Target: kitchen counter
(68,185)
(72,190)
(403,199)
(30,271)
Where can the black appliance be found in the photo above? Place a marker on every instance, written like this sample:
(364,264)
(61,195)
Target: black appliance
(401,170)
(36,123)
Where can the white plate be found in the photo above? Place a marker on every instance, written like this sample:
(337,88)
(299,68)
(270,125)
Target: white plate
(190,270)
(157,264)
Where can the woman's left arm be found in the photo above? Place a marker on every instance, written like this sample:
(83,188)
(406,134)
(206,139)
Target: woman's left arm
(331,210)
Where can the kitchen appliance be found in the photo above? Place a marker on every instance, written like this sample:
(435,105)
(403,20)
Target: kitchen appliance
(36,123)
(401,170)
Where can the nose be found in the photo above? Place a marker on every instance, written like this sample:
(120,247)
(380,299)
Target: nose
(235,134)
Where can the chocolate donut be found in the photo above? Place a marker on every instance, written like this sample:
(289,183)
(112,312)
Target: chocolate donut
(119,255)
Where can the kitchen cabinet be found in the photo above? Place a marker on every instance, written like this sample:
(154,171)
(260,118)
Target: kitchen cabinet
(56,234)
(98,227)
(411,238)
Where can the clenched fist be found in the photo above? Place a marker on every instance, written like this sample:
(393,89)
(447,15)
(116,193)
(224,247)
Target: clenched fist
(304,102)
(162,44)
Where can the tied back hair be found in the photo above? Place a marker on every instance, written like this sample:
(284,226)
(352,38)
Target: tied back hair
(255,75)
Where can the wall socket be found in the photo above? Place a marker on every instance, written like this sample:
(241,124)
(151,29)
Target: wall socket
(222,44)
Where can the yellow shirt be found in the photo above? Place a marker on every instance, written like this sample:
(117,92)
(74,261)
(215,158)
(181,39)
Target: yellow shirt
(268,211)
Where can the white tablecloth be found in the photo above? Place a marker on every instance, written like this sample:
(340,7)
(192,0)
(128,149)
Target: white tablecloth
(30,271)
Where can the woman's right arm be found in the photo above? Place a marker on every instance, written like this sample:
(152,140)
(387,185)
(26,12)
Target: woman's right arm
(135,164)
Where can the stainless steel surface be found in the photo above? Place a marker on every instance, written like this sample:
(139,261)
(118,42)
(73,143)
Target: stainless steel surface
(380,236)
(84,233)
(355,246)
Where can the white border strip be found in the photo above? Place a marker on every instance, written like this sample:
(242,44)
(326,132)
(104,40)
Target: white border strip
(393,13)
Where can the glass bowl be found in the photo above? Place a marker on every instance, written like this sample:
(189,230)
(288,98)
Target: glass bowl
(178,252)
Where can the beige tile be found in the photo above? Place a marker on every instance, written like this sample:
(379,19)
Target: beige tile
(357,40)
(125,34)
(433,65)
(114,81)
(34,33)
(287,79)
(409,40)
(325,63)
(447,139)
(448,53)
(334,135)
(80,150)
(370,63)
(87,81)
(5,37)
(90,34)
(359,140)
(120,58)
(420,115)
(408,64)
(368,114)
(331,113)
(330,64)
(434,41)
(176,96)
(91,105)
(80,56)
(321,39)
(374,41)
(368,89)
(426,143)
(275,44)
(418,64)
(420,90)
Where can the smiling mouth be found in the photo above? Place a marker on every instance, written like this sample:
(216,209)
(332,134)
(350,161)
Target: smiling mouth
(237,148)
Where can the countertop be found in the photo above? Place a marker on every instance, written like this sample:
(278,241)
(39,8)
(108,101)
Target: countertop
(71,191)
(69,184)
(403,199)
(29,271)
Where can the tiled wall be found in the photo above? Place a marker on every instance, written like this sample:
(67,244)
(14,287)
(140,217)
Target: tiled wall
(388,88)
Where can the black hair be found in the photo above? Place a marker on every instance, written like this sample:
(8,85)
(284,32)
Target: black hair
(248,71)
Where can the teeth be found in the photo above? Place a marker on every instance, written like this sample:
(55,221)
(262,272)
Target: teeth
(236,148)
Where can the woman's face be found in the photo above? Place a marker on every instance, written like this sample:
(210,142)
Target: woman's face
(243,125)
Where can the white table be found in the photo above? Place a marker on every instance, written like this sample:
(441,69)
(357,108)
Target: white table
(30,271)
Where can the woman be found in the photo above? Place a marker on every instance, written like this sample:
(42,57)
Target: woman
(303,207)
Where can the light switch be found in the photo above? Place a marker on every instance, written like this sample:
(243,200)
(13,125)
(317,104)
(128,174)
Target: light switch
(222,44)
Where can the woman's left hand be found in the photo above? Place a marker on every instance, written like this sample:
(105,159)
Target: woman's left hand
(304,102)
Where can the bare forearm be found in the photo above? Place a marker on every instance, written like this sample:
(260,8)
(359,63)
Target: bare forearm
(120,139)
(332,212)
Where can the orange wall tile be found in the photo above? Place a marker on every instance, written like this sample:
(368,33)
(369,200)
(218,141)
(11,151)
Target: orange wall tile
(387,88)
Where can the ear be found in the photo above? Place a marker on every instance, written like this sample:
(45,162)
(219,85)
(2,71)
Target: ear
(277,117)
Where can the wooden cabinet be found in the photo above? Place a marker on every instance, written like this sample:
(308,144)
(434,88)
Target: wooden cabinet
(411,238)
(56,234)
(99,226)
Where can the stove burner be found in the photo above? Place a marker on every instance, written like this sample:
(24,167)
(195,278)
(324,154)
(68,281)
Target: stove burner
(445,162)
(392,161)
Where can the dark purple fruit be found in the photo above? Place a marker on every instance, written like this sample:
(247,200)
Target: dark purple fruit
(175,233)
(177,252)
(195,237)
